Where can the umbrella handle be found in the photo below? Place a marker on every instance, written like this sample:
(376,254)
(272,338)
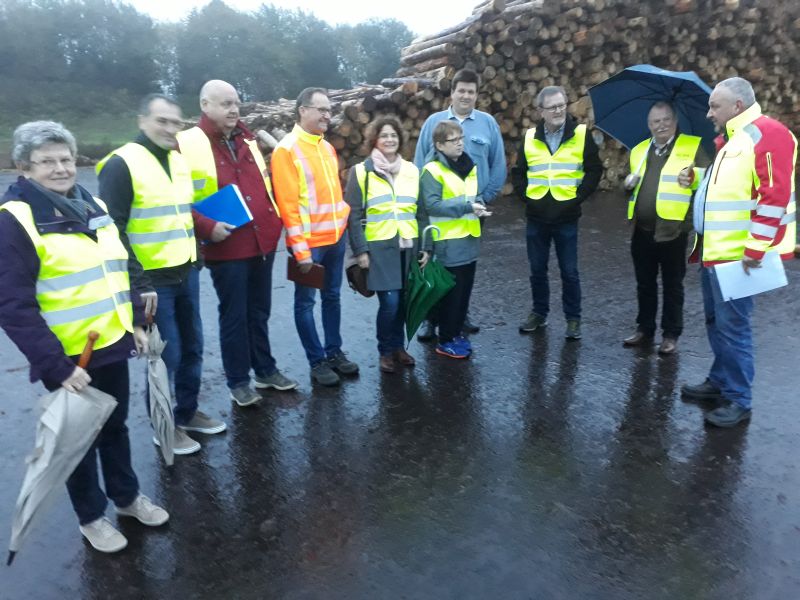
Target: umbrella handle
(86,355)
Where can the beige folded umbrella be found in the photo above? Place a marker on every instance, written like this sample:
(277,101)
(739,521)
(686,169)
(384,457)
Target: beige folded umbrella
(161,415)
(67,428)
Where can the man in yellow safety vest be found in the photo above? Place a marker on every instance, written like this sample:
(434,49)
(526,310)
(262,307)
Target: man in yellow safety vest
(659,210)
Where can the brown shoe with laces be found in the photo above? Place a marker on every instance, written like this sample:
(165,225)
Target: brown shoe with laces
(386,364)
(639,338)
(404,358)
(668,346)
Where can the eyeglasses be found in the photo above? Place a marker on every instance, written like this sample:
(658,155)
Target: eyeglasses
(554,109)
(322,111)
(455,140)
(50,163)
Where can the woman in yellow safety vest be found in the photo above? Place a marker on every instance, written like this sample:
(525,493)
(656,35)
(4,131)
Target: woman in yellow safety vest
(449,197)
(63,273)
(383,230)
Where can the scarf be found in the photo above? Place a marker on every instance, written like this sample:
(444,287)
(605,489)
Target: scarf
(382,165)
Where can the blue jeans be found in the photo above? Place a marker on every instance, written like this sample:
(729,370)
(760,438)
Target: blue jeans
(114,449)
(565,236)
(244,290)
(389,321)
(332,258)
(178,320)
(731,339)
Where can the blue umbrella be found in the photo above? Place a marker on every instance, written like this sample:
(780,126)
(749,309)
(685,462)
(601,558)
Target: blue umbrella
(621,103)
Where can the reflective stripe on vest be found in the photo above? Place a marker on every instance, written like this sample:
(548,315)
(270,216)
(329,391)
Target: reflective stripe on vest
(560,173)
(455,190)
(311,211)
(672,201)
(196,149)
(82,285)
(160,227)
(728,228)
(391,209)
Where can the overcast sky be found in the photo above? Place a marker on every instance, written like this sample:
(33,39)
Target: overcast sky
(421,16)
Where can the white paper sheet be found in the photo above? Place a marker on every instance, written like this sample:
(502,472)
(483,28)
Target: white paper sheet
(735,283)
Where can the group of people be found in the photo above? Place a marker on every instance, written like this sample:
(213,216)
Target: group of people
(74,263)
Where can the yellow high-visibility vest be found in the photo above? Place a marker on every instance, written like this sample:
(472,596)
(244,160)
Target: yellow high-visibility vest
(455,189)
(82,285)
(391,209)
(160,227)
(560,173)
(196,149)
(672,201)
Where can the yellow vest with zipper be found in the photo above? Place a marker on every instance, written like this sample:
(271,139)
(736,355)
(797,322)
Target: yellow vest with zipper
(457,190)
(390,209)
(82,285)
(560,173)
(160,227)
(672,201)
(196,149)
(727,224)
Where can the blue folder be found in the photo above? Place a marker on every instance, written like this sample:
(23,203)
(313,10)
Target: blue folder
(226,205)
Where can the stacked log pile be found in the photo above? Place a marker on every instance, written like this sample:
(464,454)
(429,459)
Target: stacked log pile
(519,46)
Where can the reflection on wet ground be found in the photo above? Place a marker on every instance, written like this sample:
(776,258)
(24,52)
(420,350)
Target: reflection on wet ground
(540,468)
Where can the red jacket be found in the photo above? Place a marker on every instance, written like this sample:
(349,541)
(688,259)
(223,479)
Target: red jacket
(260,236)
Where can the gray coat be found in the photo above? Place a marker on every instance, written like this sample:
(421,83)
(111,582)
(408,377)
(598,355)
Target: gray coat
(388,266)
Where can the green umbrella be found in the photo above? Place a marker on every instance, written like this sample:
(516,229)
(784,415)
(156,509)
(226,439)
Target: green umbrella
(425,287)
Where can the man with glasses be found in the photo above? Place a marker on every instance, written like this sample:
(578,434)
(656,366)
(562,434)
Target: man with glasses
(482,142)
(558,167)
(221,151)
(309,193)
(148,189)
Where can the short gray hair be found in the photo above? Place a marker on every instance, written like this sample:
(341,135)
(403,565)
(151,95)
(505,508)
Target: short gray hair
(550,90)
(33,135)
(666,105)
(741,90)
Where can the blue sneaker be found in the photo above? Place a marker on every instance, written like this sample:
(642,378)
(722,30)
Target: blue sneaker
(463,343)
(451,349)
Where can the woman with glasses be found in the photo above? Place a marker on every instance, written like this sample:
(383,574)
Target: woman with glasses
(63,273)
(448,190)
(382,194)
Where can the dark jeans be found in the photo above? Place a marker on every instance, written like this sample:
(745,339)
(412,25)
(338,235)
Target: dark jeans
(178,320)
(648,257)
(453,307)
(114,449)
(731,337)
(332,258)
(565,237)
(389,321)
(244,290)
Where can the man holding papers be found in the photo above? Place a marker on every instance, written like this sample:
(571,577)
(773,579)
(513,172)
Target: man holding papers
(744,209)
(221,151)
(306,171)
(148,189)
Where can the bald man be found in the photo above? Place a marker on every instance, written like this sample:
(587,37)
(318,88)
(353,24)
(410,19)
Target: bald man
(220,151)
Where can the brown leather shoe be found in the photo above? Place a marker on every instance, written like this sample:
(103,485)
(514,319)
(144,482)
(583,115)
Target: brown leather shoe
(386,364)
(404,358)
(668,346)
(639,338)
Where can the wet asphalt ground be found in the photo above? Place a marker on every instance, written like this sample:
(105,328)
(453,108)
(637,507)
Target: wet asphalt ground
(539,468)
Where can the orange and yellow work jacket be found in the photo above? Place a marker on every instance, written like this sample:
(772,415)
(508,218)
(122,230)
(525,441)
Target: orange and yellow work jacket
(305,173)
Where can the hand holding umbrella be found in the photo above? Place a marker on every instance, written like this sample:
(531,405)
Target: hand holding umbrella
(69,423)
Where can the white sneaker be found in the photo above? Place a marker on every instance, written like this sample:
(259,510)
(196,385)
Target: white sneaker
(145,512)
(182,443)
(103,537)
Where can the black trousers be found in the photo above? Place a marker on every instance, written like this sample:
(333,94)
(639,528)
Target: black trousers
(648,257)
(452,309)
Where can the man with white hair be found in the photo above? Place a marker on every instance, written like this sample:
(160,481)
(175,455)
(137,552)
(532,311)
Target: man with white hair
(744,208)
(220,151)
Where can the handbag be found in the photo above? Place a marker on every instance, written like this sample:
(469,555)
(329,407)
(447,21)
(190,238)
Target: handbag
(356,276)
